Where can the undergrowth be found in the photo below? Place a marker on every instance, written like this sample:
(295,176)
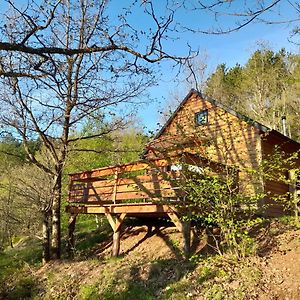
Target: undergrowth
(210,276)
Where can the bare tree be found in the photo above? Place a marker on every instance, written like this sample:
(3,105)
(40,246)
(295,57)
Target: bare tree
(35,189)
(237,15)
(64,61)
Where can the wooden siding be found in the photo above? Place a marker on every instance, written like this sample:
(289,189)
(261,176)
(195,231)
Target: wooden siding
(225,139)
(270,142)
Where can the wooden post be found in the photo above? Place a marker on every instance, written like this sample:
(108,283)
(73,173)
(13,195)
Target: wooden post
(294,192)
(116,243)
(185,228)
(176,220)
(186,237)
(71,241)
(114,195)
(116,227)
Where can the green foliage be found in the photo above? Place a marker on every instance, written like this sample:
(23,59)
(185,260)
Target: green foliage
(225,84)
(16,281)
(133,291)
(27,252)
(283,168)
(265,88)
(115,148)
(214,293)
(88,292)
(88,236)
(217,201)
(25,288)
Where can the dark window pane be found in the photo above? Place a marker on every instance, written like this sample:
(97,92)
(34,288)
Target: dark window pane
(201,117)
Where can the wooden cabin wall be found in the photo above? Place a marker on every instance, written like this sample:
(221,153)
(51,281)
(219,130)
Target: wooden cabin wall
(269,143)
(225,139)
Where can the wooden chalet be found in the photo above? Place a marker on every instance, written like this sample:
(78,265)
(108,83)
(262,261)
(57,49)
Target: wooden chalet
(200,132)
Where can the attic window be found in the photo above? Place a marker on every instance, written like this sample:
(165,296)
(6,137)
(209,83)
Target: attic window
(201,117)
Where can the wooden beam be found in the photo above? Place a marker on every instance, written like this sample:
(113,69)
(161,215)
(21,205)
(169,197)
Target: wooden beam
(177,222)
(111,221)
(115,224)
(294,191)
(118,209)
(114,195)
(187,238)
(130,208)
(130,167)
(119,221)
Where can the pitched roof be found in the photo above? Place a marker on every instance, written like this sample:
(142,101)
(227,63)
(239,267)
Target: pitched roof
(261,127)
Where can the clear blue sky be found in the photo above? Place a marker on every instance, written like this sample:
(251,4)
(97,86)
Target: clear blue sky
(230,48)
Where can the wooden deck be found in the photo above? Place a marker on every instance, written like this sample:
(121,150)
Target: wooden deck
(146,188)
(131,209)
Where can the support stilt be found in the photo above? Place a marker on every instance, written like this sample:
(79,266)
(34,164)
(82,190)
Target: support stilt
(185,228)
(116,244)
(186,238)
(116,227)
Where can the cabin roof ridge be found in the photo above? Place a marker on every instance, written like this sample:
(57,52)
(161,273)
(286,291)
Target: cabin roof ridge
(263,128)
(235,113)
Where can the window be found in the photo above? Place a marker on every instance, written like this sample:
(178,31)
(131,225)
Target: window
(201,117)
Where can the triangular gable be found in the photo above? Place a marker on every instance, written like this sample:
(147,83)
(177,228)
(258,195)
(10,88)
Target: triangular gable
(214,102)
(261,128)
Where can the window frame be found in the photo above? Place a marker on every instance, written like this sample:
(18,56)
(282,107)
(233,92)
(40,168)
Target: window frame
(204,113)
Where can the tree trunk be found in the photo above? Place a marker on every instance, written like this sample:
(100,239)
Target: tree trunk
(56,231)
(46,238)
(70,242)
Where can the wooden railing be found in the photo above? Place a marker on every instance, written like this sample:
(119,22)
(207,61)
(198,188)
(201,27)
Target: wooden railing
(141,181)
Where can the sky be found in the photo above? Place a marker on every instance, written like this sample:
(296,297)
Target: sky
(229,48)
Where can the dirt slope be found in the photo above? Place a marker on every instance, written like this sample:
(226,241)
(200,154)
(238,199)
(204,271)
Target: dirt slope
(152,265)
(281,267)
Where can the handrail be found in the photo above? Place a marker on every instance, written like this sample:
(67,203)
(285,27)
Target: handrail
(130,167)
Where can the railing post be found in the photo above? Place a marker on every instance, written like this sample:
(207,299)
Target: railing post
(114,195)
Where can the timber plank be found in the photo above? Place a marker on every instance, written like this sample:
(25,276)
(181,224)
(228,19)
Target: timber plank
(148,208)
(106,171)
(167,193)
(145,186)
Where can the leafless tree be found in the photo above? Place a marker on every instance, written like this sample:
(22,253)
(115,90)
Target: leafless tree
(34,189)
(239,14)
(64,61)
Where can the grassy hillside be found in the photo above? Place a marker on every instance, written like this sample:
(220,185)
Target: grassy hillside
(151,266)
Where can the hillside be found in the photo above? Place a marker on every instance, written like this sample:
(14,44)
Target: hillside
(151,267)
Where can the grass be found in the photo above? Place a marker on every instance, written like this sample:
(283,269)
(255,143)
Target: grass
(133,290)
(214,277)
(87,235)
(117,279)
(13,260)
(16,281)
